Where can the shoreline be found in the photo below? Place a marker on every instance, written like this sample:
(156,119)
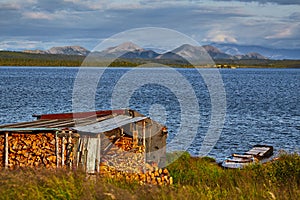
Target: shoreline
(153,67)
(56,60)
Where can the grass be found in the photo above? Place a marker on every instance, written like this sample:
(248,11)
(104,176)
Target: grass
(195,178)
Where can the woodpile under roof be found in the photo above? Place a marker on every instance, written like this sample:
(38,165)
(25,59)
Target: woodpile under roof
(121,143)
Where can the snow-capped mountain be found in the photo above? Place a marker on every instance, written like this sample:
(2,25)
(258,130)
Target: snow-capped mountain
(69,50)
(121,49)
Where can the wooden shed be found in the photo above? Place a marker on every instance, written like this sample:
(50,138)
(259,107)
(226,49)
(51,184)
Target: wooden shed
(123,139)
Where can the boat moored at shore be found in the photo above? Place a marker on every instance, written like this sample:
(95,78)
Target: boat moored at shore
(254,155)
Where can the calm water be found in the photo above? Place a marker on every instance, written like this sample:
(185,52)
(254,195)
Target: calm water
(262,104)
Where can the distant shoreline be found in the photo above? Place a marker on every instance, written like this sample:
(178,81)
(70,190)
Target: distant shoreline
(8,58)
(196,67)
(243,67)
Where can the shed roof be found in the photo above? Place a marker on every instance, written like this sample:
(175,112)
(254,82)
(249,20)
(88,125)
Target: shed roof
(109,124)
(89,122)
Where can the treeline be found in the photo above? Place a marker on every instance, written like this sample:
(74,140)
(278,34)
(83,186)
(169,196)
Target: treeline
(149,62)
(260,63)
(10,58)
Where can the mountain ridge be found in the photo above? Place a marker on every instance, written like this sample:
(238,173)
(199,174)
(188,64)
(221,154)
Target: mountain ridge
(130,50)
(271,53)
(63,50)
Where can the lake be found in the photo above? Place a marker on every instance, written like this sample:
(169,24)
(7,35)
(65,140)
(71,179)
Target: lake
(262,105)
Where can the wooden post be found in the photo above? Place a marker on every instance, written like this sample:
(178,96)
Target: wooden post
(98,153)
(69,151)
(130,128)
(56,149)
(91,155)
(85,153)
(144,134)
(144,143)
(150,138)
(6,151)
(74,151)
(135,138)
(78,151)
(62,151)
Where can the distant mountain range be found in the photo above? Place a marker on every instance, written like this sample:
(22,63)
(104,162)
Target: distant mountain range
(129,50)
(271,53)
(66,50)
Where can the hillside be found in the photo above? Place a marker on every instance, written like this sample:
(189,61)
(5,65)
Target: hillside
(9,58)
(130,54)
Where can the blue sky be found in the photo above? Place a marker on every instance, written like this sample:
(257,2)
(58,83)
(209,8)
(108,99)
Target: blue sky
(41,24)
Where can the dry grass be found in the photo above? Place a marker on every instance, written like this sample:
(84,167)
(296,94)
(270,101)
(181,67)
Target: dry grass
(195,178)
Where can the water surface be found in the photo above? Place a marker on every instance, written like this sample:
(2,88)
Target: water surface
(262,104)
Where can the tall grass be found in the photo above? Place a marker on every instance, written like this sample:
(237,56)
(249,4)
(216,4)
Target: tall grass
(195,178)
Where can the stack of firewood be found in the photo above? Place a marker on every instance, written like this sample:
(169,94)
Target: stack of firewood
(31,150)
(126,160)
(36,150)
(127,144)
(125,156)
(156,176)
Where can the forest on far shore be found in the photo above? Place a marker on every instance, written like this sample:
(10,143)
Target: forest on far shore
(10,58)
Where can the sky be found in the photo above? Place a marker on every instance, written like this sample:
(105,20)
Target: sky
(42,24)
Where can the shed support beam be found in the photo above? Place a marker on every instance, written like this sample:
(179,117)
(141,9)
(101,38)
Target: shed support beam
(144,134)
(56,148)
(6,151)
(62,151)
(98,154)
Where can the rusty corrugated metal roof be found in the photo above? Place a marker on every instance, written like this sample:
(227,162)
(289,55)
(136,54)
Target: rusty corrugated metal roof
(80,115)
(89,122)
(109,124)
(56,123)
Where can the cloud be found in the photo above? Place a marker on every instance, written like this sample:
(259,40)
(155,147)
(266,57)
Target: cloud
(280,2)
(87,4)
(220,37)
(9,6)
(295,16)
(283,32)
(20,44)
(38,15)
(63,21)
(280,34)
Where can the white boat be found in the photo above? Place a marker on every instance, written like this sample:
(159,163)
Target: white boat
(237,161)
(261,151)
(257,153)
